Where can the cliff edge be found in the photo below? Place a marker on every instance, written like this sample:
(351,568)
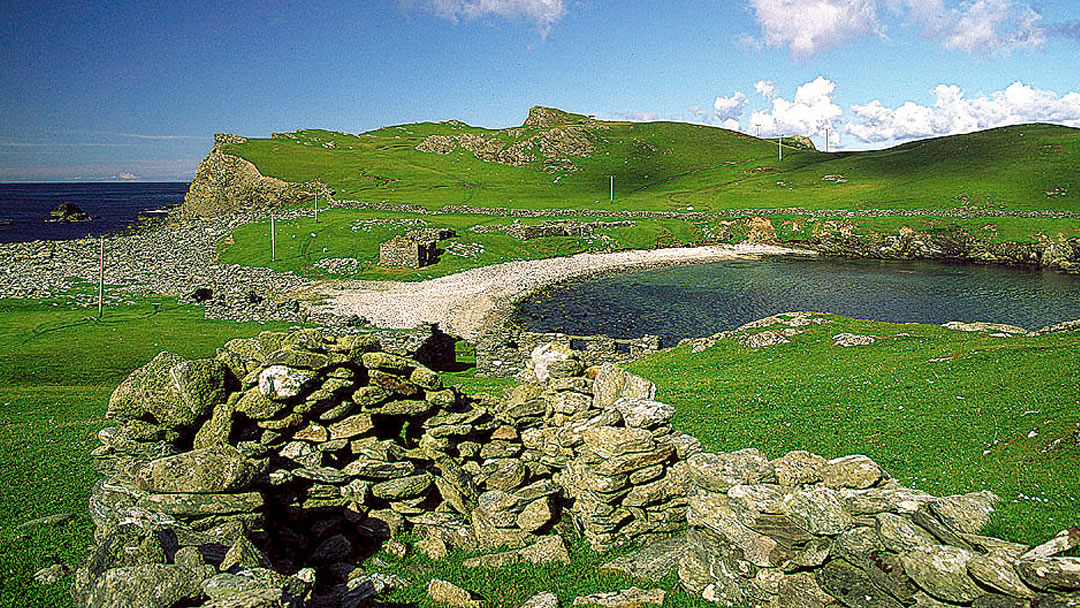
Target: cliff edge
(225,183)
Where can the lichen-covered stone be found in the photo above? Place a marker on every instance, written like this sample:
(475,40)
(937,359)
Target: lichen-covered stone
(941,571)
(799,467)
(719,472)
(855,471)
(175,391)
(219,469)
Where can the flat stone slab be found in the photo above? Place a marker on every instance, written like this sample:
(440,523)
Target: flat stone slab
(655,560)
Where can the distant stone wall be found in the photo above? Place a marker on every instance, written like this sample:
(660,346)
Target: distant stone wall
(504,351)
(525,232)
(260,477)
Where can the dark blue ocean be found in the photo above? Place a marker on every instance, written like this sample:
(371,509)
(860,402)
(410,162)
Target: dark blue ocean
(27,206)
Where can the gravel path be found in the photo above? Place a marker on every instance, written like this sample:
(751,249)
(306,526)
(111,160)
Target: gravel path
(467,302)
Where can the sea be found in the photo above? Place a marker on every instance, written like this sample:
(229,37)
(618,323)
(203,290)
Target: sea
(116,207)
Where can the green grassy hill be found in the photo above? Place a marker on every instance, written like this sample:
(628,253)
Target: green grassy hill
(566,161)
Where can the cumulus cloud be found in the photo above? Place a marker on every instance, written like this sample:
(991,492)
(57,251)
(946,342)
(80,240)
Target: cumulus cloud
(544,14)
(765,88)
(812,110)
(730,108)
(953,112)
(807,27)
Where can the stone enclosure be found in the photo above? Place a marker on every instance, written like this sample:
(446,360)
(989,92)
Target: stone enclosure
(258,478)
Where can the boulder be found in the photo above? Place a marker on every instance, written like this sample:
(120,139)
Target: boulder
(799,467)
(219,469)
(644,413)
(817,510)
(148,586)
(280,383)
(719,472)
(941,571)
(612,383)
(444,592)
(856,471)
(175,391)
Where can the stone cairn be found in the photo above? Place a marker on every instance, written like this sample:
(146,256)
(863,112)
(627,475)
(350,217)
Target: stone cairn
(260,477)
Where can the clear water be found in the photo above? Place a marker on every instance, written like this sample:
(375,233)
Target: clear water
(27,206)
(703,299)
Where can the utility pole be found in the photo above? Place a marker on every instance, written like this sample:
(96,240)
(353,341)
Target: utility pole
(826,140)
(780,146)
(612,189)
(316,206)
(273,245)
(101,281)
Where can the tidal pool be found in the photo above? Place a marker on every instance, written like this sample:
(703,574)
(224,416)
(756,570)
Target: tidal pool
(703,299)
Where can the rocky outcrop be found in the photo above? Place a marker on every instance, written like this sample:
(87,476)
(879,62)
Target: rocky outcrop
(539,116)
(1057,252)
(225,183)
(68,213)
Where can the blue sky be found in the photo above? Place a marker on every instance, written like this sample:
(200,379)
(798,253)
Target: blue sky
(135,90)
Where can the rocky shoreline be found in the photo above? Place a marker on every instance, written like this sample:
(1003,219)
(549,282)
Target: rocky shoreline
(171,258)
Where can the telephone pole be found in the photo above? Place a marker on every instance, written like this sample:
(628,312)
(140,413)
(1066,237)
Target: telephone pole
(316,206)
(826,140)
(612,198)
(780,147)
(101,281)
(273,245)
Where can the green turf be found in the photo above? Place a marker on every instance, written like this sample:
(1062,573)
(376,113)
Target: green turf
(675,166)
(946,412)
(58,365)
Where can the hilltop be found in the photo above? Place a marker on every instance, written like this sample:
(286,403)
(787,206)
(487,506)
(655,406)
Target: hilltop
(560,160)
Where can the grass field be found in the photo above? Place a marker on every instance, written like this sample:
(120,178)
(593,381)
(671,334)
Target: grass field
(943,411)
(58,365)
(677,166)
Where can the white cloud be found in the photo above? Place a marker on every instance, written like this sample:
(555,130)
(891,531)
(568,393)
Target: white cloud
(542,13)
(979,26)
(812,110)
(731,124)
(728,108)
(808,27)
(765,88)
(953,112)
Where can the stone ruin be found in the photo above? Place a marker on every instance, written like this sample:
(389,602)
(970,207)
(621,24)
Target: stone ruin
(261,476)
(550,228)
(405,252)
(505,351)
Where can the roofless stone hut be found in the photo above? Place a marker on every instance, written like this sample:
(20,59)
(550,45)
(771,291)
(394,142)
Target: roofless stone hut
(404,252)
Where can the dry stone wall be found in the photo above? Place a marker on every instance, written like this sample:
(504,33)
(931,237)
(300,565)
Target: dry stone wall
(505,351)
(261,476)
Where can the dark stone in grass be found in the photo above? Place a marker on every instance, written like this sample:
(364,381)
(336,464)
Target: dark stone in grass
(653,561)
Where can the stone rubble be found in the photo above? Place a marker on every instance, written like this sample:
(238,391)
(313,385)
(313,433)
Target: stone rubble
(259,476)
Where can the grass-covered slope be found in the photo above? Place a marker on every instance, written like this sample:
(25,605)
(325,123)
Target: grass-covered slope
(944,411)
(672,166)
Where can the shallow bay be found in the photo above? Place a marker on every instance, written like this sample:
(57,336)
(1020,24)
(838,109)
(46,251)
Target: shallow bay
(703,299)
